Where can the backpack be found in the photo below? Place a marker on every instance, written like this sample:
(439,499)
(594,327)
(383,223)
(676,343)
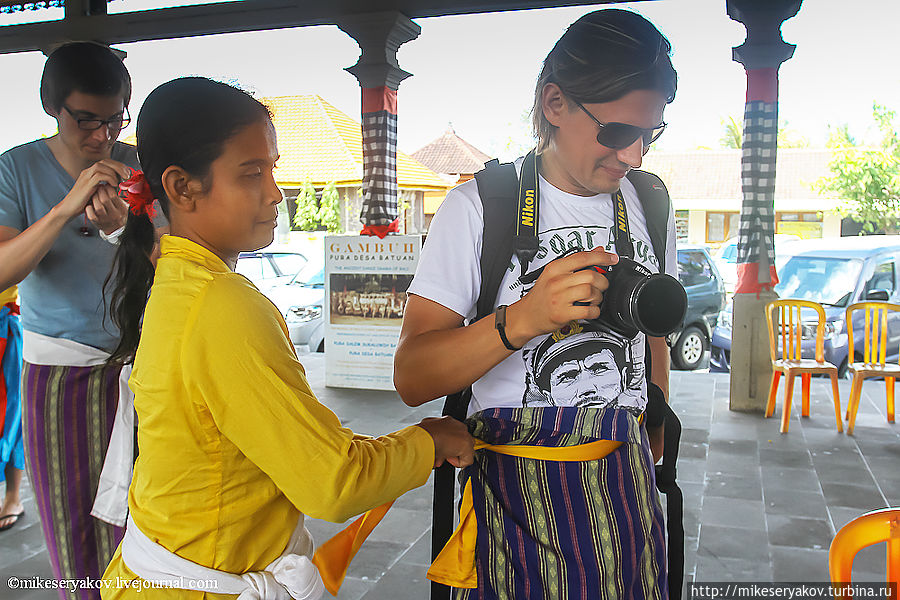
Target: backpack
(497,186)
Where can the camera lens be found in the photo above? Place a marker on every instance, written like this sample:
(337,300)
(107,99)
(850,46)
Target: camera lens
(658,305)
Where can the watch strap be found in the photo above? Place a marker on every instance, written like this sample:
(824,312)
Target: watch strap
(500,326)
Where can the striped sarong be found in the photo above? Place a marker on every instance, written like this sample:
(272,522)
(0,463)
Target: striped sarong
(11,448)
(565,530)
(68,418)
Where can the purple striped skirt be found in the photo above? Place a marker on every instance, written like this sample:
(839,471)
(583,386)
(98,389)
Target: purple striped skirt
(67,418)
(552,530)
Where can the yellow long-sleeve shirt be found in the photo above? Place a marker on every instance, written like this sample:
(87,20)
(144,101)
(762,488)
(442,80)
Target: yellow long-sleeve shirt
(9,295)
(233,443)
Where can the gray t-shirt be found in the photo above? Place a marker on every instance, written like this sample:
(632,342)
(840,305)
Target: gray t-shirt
(63,296)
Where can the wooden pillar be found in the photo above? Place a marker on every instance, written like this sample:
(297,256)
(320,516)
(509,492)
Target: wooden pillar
(761,54)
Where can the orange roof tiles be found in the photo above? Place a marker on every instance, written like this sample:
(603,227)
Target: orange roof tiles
(320,144)
(451,154)
(711,179)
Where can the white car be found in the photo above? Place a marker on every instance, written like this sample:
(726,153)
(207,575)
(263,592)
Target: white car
(302,302)
(726,258)
(270,266)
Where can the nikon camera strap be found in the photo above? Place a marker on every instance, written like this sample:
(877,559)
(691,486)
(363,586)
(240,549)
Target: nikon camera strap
(526,243)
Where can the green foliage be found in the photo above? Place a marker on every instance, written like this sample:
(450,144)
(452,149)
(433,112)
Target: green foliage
(315,215)
(307,209)
(867,179)
(329,215)
(733,134)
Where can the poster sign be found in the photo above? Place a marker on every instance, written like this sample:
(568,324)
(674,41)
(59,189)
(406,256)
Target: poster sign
(366,279)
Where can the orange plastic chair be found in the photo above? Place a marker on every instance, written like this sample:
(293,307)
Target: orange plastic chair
(871,528)
(785,336)
(875,341)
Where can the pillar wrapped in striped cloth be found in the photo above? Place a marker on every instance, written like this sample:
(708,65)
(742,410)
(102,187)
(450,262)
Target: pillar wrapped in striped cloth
(379,145)
(756,244)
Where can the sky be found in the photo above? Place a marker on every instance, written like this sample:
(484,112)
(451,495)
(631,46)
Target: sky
(477,72)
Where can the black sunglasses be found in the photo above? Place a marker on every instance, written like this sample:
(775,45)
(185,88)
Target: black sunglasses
(621,135)
(112,124)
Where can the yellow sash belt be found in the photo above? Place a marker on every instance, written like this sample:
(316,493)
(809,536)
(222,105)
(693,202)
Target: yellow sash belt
(455,565)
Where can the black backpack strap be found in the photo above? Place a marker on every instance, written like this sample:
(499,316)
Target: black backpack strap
(665,483)
(497,187)
(657,205)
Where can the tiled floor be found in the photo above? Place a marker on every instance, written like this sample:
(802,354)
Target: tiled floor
(759,505)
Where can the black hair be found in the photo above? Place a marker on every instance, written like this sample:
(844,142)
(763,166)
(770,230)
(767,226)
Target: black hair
(84,67)
(601,57)
(185,122)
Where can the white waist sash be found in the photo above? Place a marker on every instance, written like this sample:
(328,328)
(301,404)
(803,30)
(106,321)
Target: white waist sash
(290,576)
(111,500)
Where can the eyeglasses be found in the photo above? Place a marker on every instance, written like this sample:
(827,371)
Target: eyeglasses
(619,136)
(112,124)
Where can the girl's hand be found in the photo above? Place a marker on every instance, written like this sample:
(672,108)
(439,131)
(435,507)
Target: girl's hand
(452,442)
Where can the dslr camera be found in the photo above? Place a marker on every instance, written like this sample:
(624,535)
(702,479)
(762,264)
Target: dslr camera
(639,300)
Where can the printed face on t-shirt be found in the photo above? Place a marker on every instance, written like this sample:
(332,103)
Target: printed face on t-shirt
(592,381)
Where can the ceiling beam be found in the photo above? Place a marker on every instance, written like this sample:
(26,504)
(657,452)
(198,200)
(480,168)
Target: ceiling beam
(232,17)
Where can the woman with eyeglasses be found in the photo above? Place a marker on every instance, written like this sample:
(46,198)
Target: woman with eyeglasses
(59,213)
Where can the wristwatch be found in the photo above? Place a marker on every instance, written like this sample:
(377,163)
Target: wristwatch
(500,326)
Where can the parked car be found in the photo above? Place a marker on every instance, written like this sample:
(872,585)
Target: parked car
(706,298)
(269,266)
(726,257)
(301,300)
(835,272)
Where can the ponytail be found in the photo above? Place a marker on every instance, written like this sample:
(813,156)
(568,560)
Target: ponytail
(132,273)
(131,278)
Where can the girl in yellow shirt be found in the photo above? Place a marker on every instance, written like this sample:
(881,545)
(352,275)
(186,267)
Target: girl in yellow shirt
(234,447)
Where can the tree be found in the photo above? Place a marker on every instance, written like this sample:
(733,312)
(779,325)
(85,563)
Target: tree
(329,215)
(867,179)
(306,217)
(733,134)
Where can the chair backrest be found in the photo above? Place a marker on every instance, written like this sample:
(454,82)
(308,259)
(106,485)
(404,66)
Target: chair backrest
(786,329)
(871,528)
(875,333)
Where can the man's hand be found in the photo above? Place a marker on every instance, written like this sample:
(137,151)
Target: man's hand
(106,210)
(550,304)
(106,172)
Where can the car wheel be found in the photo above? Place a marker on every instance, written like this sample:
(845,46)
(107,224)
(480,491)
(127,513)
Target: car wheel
(688,350)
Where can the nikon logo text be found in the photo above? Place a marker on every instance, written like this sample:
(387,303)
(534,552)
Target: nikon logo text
(621,218)
(528,209)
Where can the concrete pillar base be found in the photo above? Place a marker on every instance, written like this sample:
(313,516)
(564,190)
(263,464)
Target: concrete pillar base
(751,365)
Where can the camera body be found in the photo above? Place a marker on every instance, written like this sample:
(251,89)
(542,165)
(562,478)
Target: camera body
(639,300)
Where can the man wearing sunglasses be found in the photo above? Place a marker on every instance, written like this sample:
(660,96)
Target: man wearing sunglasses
(57,195)
(557,526)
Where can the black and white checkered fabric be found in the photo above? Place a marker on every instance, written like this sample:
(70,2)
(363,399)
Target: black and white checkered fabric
(757,231)
(379,181)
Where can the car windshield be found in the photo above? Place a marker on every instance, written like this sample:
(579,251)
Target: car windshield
(828,281)
(311,275)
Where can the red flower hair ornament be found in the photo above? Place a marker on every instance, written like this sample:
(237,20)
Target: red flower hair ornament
(136,192)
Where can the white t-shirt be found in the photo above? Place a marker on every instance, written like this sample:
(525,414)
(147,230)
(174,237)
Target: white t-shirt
(578,365)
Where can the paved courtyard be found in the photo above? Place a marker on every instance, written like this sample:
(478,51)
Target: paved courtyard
(759,505)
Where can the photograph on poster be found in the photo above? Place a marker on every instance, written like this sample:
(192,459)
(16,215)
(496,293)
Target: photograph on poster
(368,298)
